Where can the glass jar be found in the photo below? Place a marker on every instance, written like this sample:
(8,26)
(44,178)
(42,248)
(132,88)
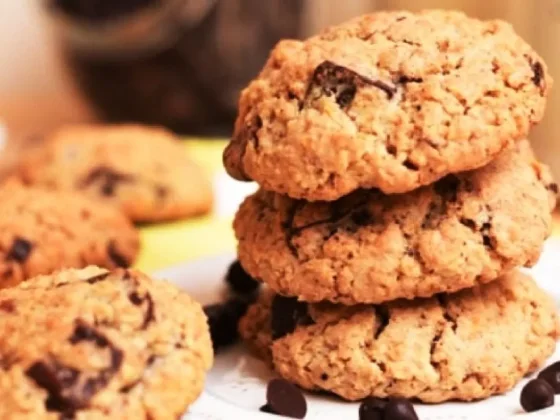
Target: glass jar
(177,63)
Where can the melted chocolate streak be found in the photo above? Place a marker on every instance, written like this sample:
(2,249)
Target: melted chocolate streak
(138,300)
(335,219)
(334,79)
(66,392)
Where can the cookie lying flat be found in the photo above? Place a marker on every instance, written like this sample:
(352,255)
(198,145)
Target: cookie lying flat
(89,344)
(466,346)
(392,100)
(142,170)
(44,231)
(368,247)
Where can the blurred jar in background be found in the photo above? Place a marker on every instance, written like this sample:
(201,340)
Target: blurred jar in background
(177,63)
(182,63)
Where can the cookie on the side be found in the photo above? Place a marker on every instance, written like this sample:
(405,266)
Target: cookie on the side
(145,171)
(100,345)
(44,231)
(391,100)
(464,230)
(464,346)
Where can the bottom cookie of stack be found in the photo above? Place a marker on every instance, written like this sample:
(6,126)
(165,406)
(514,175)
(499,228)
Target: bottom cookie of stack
(464,346)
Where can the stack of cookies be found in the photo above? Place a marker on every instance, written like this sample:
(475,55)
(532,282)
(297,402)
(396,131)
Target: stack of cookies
(399,194)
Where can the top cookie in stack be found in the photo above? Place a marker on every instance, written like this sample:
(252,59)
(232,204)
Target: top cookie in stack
(391,100)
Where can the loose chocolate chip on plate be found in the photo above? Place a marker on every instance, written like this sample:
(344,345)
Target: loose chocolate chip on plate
(223,319)
(239,281)
(20,250)
(551,374)
(372,409)
(267,409)
(536,395)
(400,409)
(286,399)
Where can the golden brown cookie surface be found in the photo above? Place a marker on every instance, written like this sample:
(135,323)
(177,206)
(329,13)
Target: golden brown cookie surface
(368,247)
(464,346)
(92,344)
(392,100)
(43,231)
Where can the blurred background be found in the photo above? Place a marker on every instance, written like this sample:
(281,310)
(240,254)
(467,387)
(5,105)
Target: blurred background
(181,63)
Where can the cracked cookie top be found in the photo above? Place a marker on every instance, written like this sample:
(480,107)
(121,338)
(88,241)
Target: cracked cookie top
(367,247)
(392,100)
(100,345)
(142,170)
(44,231)
(463,346)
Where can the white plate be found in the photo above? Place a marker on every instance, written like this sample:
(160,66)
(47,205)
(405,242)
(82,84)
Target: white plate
(235,387)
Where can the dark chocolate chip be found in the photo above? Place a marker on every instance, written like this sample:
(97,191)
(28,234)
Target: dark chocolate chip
(408,79)
(536,395)
(20,250)
(286,314)
(98,278)
(553,187)
(107,178)
(487,242)
(138,300)
(408,164)
(372,409)
(66,391)
(223,319)
(286,399)
(400,409)
(116,257)
(324,377)
(330,79)
(392,150)
(84,332)
(267,409)
(470,223)
(551,374)
(382,313)
(448,187)
(538,72)
(362,217)
(55,379)
(239,281)
(7,306)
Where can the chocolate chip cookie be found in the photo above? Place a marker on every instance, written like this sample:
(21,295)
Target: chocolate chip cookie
(391,100)
(368,247)
(44,231)
(464,346)
(144,171)
(93,344)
